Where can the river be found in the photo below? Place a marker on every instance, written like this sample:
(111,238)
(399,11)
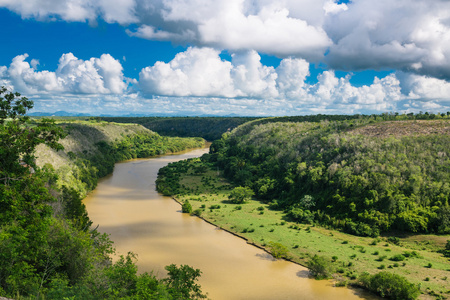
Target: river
(126,205)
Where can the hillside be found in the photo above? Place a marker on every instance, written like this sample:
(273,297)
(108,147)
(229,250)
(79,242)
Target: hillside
(364,176)
(209,128)
(91,148)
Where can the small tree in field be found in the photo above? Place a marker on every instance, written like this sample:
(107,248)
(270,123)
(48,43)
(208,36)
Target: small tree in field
(240,194)
(319,267)
(186,207)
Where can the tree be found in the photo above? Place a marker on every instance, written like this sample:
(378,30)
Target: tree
(24,196)
(19,137)
(278,250)
(182,282)
(240,194)
(186,207)
(319,267)
(390,285)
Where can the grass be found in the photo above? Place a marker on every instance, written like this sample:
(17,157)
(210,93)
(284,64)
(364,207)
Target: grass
(356,254)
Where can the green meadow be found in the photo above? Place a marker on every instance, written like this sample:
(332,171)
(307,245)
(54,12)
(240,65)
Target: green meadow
(415,256)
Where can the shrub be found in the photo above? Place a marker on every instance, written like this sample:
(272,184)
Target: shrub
(278,250)
(319,267)
(390,285)
(186,207)
(397,257)
(198,212)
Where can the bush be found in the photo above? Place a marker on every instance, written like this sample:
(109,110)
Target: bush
(390,285)
(397,257)
(278,250)
(186,207)
(198,212)
(319,267)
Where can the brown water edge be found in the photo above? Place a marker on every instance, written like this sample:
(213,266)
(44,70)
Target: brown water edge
(126,205)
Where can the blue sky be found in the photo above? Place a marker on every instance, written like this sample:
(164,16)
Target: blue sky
(196,57)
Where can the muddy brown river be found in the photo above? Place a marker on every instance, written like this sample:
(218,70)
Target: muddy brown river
(126,205)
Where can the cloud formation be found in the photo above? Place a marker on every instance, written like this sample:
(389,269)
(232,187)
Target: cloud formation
(94,76)
(199,81)
(409,35)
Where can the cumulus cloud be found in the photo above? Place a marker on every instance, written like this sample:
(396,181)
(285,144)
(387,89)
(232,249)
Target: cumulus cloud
(121,11)
(200,72)
(95,76)
(410,35)
(404,34)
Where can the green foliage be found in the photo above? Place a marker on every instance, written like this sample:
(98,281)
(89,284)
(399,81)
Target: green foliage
(209,128)
(47,249)
(240,194)
(397,257)
(186,207)
(319,267)
(446,250)
(390,285)
(19,137)
(182,284)
(278,250)
(348,173)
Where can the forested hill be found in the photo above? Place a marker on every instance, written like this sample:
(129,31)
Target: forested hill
(209,128)
(362,175)
(91,148)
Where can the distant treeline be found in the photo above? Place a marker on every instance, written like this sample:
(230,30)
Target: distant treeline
(212,128)
(362,174)
(209,128)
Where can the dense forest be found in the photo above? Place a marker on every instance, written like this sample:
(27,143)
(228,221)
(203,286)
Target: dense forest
(47,248)
(362,174)
(209,128)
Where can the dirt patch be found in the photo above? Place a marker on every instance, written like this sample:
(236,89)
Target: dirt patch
(405,128)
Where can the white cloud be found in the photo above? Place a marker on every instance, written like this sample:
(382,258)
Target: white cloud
(404,34)
(196,71)
(410,35)
(95,76)
(198,81)
(282,28)
(424,87)
(200,72)
(120,11)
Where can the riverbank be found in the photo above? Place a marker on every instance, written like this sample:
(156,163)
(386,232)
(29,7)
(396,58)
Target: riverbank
(413,257)
(137,218)
(92,147)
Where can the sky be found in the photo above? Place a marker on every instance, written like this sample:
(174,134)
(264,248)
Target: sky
(227,57)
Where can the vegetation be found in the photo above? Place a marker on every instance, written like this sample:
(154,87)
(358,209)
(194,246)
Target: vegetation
(209,128)
(364,176)
(240,194)
(47,250)
(186,207)
(390,286)
(319,267)
(92,148)
(347,255)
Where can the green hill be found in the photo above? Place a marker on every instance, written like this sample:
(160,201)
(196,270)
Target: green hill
(209,128)
(362,175)
(91,148)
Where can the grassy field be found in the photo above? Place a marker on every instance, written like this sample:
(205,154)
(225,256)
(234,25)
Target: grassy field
(414,257)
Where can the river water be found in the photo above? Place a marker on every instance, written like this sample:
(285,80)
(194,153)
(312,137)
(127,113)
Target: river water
(126,205)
